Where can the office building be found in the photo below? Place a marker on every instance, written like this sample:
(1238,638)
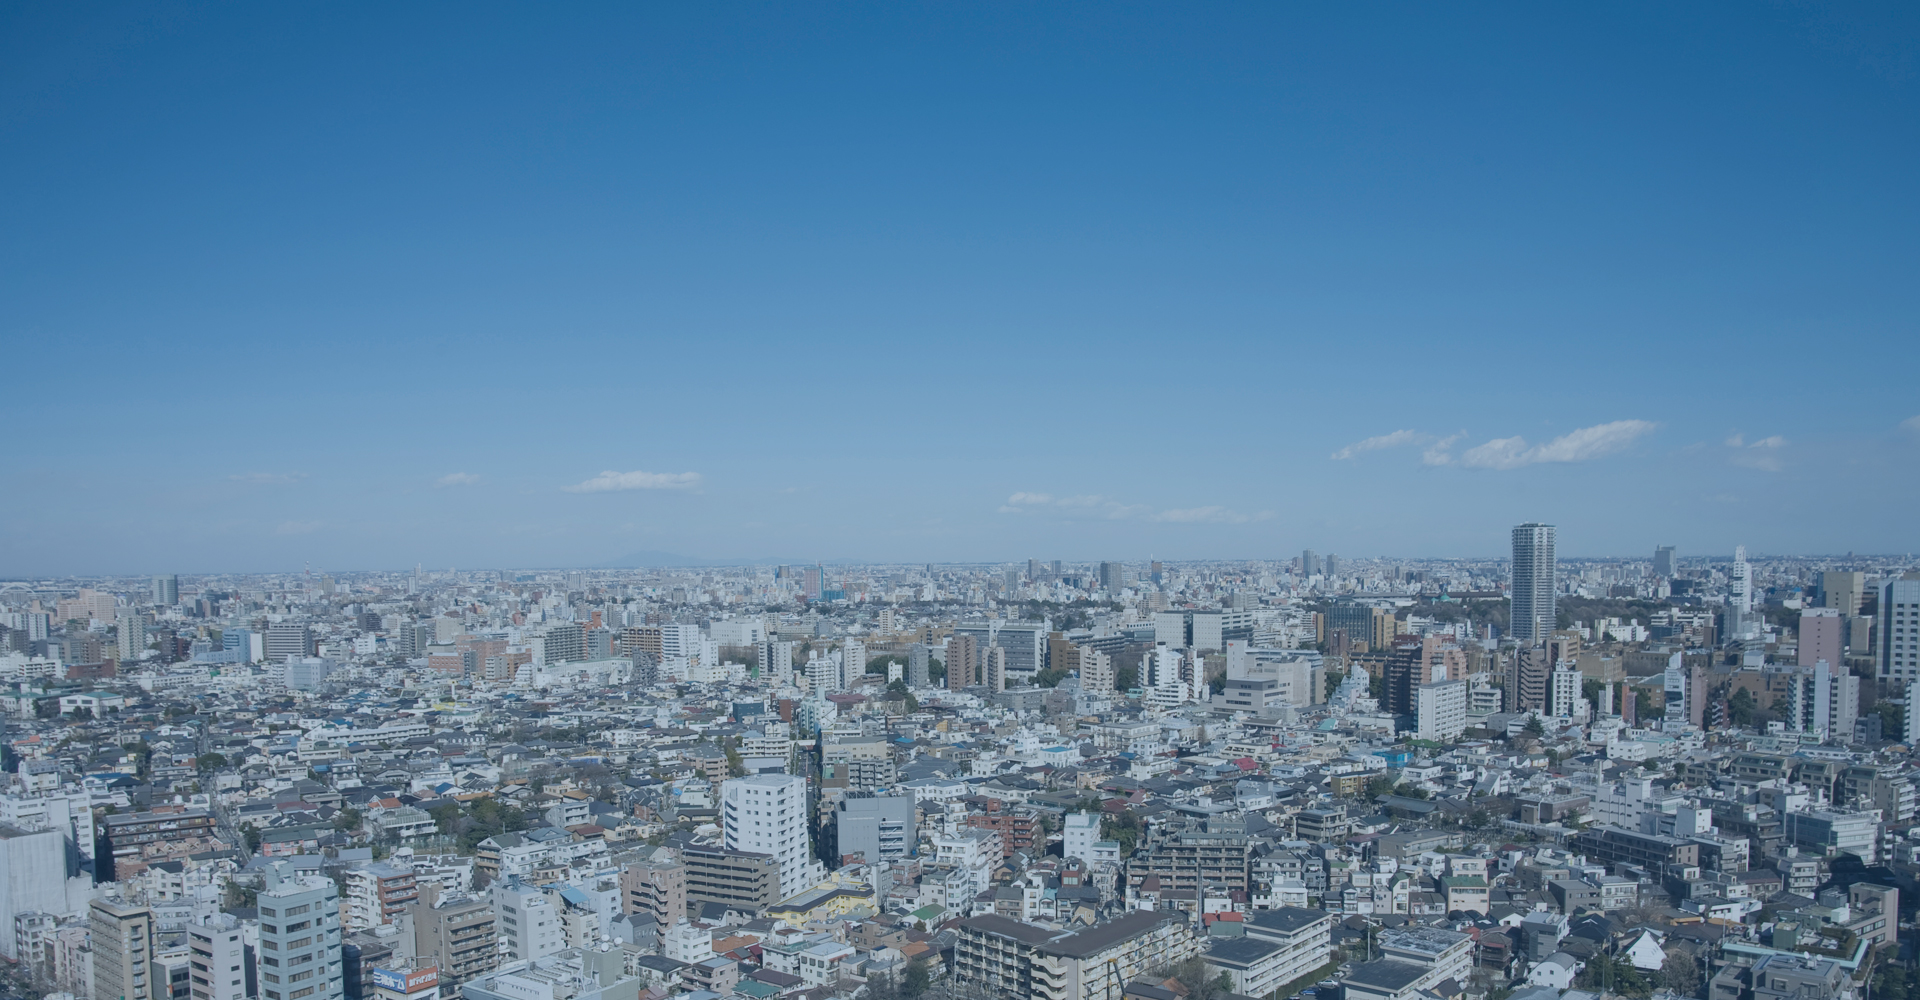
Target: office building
(529,926)
(299,956)
(1663,562)
(220,962)
(166,591)
(875,827)
(811,583)
(122,937)
(1532,595)
(1898,625)
(1417,660)
(289,641)
(1112,578)
(562,644)
(767,814)
(1843,591)
(1822,637)
(1309,563)
(1025,644)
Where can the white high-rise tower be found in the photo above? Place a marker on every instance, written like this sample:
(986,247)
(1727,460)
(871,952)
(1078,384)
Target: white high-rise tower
(1532,618)
(767,814)
(1740,595)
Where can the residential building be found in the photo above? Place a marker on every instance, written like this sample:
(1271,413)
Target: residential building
(299,955)
(1822,637)
(1532,594)
(220,960)
(122,939)
(1079,832)
(377,893)
(455,932)
(736,878)
(529,926)
(656,887)
(1020,959)
(1440,711)
(1898,624)
(33,878)
(1278,946)
(767,814)
(963,661)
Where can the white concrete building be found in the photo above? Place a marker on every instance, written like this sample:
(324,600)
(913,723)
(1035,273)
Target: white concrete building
(529,927)
(1441,711)
(767,814)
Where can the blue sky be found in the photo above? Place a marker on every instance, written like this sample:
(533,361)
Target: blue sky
(481,285)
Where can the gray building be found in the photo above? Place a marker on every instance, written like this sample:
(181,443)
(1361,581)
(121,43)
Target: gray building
(1532,618)
(1025,643)
(876,826)
(1899,645)
(166,591)
(919,662)
(288,641)
(299,954)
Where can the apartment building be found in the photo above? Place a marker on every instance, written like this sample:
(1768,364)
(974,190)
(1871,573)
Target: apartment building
(1014,958)
(299,956)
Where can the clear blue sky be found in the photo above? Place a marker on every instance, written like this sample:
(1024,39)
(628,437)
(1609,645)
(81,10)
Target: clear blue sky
(377,285)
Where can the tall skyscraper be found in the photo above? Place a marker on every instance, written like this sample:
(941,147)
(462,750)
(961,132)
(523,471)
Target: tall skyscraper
(166,590)
(1663,562)
(1898,647)
(1110,580)
(1843,590)
(1532,617)
(767,814)
(1739,596)
(1309,563)
(963,661)
(122,938)
(812,584)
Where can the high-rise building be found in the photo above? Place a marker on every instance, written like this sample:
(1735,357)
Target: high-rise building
(1843,590)
(919,663)
(564,644)
(122,937)
(1740,624)
(1415,661)
(299,956)
(132,635)
(220,959)
(1079,832)
(767,814)
(876,826)
(853,662)
(289,641)
(166,591)
(1532,618)
(1898,625)
(963,661)
(1821,638)
(1527,677)
(1111,577)
(1440,711)
(33,868)
(1356,620)
(1663,562)
(1309,563)
(456,932)
(811,584)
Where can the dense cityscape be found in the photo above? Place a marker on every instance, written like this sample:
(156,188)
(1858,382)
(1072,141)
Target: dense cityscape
(1363,779)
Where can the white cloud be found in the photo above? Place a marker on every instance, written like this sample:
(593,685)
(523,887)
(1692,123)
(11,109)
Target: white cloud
(1758,455)
(612,482)
(1203,515)
(456,479)
(268,477)
(1578,446)
(1737,441)
(1019,499)
(1438,453)
(1394,440)
(1911,425)
(297,528)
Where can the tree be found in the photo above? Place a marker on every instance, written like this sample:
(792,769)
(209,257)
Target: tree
(1195,975)
(1613,975)
(347,820)
(1680,974)
(1740,708)
(210,762)
(735,766)
(917,979)
(1536,728)
(1126,678)
(1123,828)
(252,835)
(445,816)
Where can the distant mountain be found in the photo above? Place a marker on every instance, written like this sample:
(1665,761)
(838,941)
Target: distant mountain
(651,559)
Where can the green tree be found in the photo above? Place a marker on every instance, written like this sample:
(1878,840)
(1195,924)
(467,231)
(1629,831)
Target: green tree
(917,979)
(1126,678)
(445,816)
(1740,708)
(1680,974)
(210,762)
(252,835)
(1123,828)
(1536,728)
(347,820)
(735,766)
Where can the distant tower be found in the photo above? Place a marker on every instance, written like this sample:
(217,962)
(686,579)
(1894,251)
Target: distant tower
(166,590)
(1309,563)
(1739,595)
(1663,562)
(1532,618)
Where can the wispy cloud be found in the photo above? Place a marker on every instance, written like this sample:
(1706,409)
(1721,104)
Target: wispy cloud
(1394,440)
(1911,425)
(267,477)
(1582,445)
(297,527)
(610,482)
(1763,454)
(1209,515)
(456,479)
(1439,452)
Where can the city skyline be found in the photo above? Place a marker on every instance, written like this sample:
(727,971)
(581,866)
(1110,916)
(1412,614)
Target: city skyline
(378,288)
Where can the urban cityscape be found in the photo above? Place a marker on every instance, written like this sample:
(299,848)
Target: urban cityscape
(936,501)
(1322,776)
